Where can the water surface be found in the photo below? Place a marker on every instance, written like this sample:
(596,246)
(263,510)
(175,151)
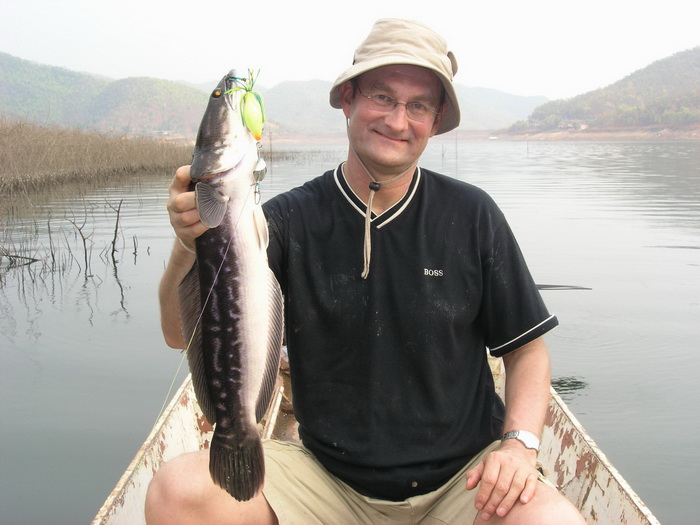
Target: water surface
(84,371)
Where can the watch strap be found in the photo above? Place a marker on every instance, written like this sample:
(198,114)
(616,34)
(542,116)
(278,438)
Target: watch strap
(528,439)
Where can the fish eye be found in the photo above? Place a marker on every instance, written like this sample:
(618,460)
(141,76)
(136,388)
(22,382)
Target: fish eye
(216,93)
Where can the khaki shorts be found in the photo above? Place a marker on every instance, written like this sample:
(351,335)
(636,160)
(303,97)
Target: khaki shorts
(301,491)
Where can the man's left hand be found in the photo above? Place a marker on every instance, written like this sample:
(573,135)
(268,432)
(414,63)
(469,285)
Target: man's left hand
(506,475)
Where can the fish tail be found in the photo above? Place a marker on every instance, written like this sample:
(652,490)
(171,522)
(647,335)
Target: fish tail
(238,469)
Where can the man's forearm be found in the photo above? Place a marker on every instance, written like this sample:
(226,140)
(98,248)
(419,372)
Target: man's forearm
(527,387)
(180,263)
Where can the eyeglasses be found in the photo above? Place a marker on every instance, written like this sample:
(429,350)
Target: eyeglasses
(415,110)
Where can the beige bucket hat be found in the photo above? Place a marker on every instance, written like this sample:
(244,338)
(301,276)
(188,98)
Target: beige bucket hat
(395,41)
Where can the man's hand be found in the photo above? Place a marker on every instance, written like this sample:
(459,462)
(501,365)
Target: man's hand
(184,219)
(183,213)
(507,475)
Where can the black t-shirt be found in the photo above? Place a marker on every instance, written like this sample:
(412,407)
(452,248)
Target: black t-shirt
(392,388)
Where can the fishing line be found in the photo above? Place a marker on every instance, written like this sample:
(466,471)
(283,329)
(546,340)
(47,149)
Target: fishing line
(172,384)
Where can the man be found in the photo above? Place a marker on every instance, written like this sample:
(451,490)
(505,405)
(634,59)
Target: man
(396,280)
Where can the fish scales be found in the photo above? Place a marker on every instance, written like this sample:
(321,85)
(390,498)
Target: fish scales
(231,302)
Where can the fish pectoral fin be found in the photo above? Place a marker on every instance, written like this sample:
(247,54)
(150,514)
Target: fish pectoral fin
(211,205)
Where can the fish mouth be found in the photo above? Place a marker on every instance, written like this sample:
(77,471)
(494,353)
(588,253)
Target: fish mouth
(212,176)
(229,84)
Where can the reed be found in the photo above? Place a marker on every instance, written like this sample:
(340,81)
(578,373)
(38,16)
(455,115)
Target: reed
(37,160)
(33,157)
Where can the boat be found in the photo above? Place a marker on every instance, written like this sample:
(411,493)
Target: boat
(569,457)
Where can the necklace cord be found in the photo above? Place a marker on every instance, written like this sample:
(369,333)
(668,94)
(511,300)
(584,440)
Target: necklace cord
(374,186)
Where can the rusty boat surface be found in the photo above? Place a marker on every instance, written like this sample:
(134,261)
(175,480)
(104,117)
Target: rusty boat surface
(570,457)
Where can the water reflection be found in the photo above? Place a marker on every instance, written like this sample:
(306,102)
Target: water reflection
(71,254)
(568,387)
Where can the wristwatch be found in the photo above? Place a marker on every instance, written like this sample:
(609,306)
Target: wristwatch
(526,438)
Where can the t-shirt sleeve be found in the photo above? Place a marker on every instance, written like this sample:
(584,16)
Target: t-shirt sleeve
(275,249)
(514,313)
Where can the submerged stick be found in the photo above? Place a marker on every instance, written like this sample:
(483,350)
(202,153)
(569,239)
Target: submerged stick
(14,257)
(84,239)
(136,247)
(51,247)
(118,209)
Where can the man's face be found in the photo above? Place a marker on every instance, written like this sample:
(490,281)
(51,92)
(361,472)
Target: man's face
(387,140)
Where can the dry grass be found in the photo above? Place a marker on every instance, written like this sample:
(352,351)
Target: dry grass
(33,157)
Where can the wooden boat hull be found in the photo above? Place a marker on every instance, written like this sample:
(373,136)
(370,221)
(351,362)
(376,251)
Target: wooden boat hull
(571,459)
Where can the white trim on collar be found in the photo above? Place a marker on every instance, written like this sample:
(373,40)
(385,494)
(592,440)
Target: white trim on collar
(389,214)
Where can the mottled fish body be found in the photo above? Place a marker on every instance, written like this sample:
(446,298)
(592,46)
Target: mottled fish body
(231,303)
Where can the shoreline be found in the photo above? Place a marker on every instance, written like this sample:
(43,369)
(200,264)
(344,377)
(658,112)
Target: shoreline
(651,133)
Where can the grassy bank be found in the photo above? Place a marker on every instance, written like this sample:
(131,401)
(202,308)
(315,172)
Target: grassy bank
(34,158)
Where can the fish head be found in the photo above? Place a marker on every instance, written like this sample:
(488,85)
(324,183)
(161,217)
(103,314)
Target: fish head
(222,139)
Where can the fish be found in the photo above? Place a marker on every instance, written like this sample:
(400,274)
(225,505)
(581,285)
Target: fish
(231,304)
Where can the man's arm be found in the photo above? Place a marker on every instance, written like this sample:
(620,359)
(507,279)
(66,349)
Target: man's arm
(184,219)
(509,473)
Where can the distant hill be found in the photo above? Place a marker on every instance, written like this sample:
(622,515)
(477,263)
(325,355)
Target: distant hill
(146,105)
(56,96)
(489,109)
(45,94)
(666,94)
(303,107)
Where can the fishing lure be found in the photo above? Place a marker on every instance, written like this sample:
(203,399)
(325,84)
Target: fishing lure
(252,109)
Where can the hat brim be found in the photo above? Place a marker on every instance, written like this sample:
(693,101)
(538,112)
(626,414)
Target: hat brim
(451,114)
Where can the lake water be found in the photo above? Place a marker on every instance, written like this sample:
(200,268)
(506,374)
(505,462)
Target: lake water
(84,371)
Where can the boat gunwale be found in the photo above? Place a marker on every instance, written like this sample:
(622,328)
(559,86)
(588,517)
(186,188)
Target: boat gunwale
(581,482)
(635,500)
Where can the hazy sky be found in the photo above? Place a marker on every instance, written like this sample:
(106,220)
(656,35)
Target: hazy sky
(555,48)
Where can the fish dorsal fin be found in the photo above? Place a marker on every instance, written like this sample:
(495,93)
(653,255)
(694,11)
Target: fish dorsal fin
(190,307)
(261,227)
(211,205)
(274,347)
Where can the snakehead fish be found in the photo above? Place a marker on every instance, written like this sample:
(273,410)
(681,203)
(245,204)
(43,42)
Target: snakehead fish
(231,303)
